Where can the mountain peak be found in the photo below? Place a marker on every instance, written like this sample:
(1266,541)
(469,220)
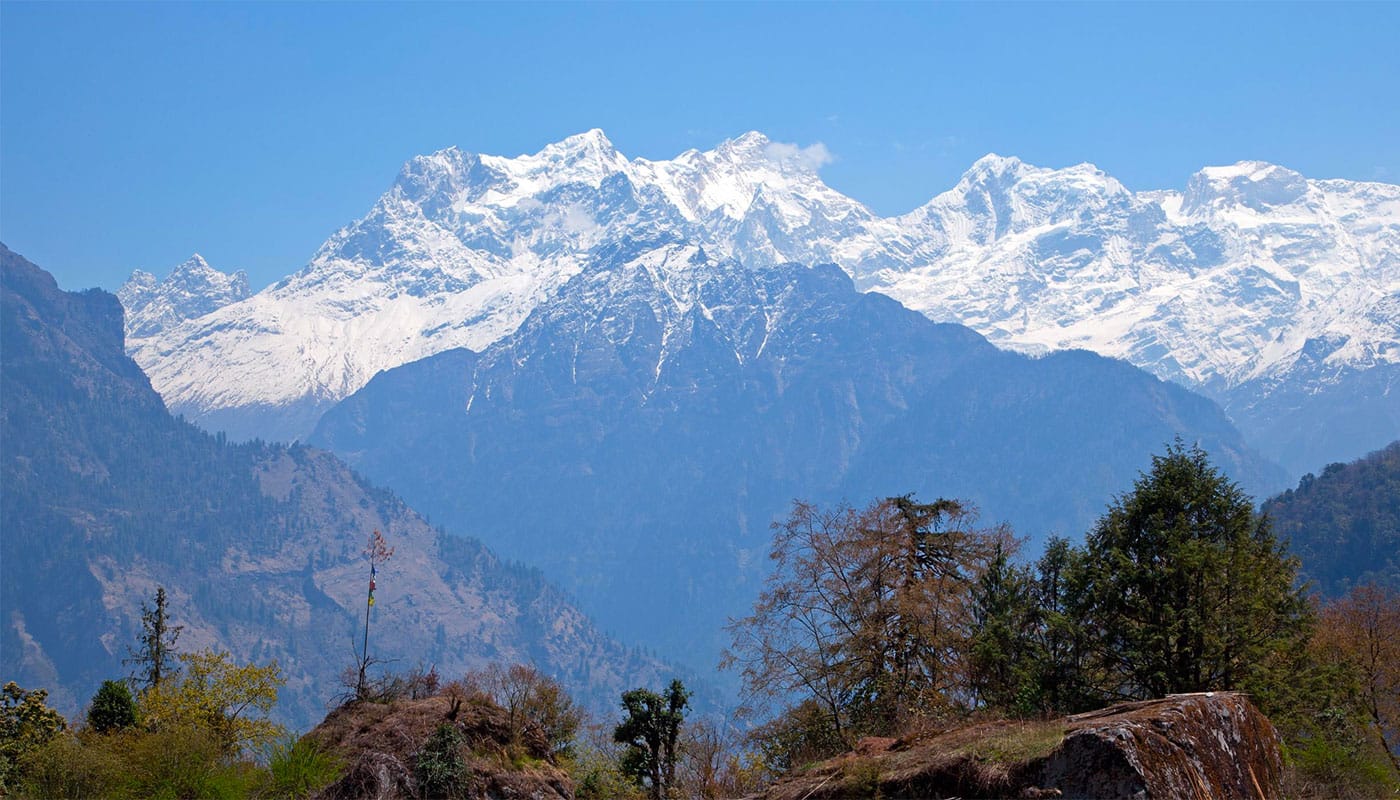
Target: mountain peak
(592,143)
(191,290)
(993,164)
(754,148)
(1257,185)
(195,263)
(591,137)
(1250,169)
(753,140)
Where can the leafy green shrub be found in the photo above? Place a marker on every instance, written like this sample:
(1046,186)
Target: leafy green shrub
(1338,770)
(597,777)
(800,735)
(66,766)
(26,724)
(861,778)
(298,768)
(113,708)
(184,761)
(440,768)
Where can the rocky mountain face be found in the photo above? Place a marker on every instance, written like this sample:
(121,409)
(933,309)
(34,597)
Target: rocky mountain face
(1213,744)
(191,290)
(1275,294)
(638,433)
(106,496)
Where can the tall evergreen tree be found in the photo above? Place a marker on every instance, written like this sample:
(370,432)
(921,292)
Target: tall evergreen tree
(1060,637)
(1003,657)
(1185,587)
(155,655)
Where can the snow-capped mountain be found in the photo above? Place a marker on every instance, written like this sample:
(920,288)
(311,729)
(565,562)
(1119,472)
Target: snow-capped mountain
(1252,282)
(191,290)
(1277,295)
(457,252)
(1215,286)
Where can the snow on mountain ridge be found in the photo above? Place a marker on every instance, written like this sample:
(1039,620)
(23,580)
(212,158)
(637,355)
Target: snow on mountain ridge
(191,290)
(1212,287)
(1239,277)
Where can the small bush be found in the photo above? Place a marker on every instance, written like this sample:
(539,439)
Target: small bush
(67,767)
(298,768)
(862,778)
(1320,768)
(113,708)
(597,777)
(440,768)
(799,736)
(184,761)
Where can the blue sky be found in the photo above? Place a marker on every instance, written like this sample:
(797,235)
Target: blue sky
(132,135)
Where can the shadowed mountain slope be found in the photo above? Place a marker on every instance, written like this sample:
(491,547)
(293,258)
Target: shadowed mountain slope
(638,433)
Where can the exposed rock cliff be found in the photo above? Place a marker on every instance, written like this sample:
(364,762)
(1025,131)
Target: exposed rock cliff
(1210,746)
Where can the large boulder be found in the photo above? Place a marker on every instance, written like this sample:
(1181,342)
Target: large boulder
(1207,746)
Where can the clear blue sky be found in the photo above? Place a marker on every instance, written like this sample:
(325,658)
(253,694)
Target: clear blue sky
(132,135)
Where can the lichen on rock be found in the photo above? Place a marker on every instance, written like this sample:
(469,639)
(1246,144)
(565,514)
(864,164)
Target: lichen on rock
(1206,746)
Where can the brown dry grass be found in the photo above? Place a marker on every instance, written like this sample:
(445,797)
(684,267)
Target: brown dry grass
(380,741)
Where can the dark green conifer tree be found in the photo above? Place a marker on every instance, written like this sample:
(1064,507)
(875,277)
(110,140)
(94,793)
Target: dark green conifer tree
(1003,659)
(112,708)
(1060,645)
(1185,587)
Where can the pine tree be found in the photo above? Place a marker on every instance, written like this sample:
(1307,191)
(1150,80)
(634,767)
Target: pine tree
(1060,637)
(155,655)
(112,708)
(1185,587)
(1003,657)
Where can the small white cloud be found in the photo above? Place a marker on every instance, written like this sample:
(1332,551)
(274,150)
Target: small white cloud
(575,219)
(812,157)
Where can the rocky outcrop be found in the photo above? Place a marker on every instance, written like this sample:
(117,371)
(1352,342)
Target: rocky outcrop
(380,744)
(1208,746)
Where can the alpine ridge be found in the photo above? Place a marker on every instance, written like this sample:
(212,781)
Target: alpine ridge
(1275,294)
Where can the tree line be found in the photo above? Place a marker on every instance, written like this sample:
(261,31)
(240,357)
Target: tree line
(903,616)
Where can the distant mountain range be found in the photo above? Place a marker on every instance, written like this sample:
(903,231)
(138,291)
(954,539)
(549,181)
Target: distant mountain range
(1276,295)
(106,496)
(638,432)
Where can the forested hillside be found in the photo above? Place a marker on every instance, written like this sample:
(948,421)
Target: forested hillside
(1345,523)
